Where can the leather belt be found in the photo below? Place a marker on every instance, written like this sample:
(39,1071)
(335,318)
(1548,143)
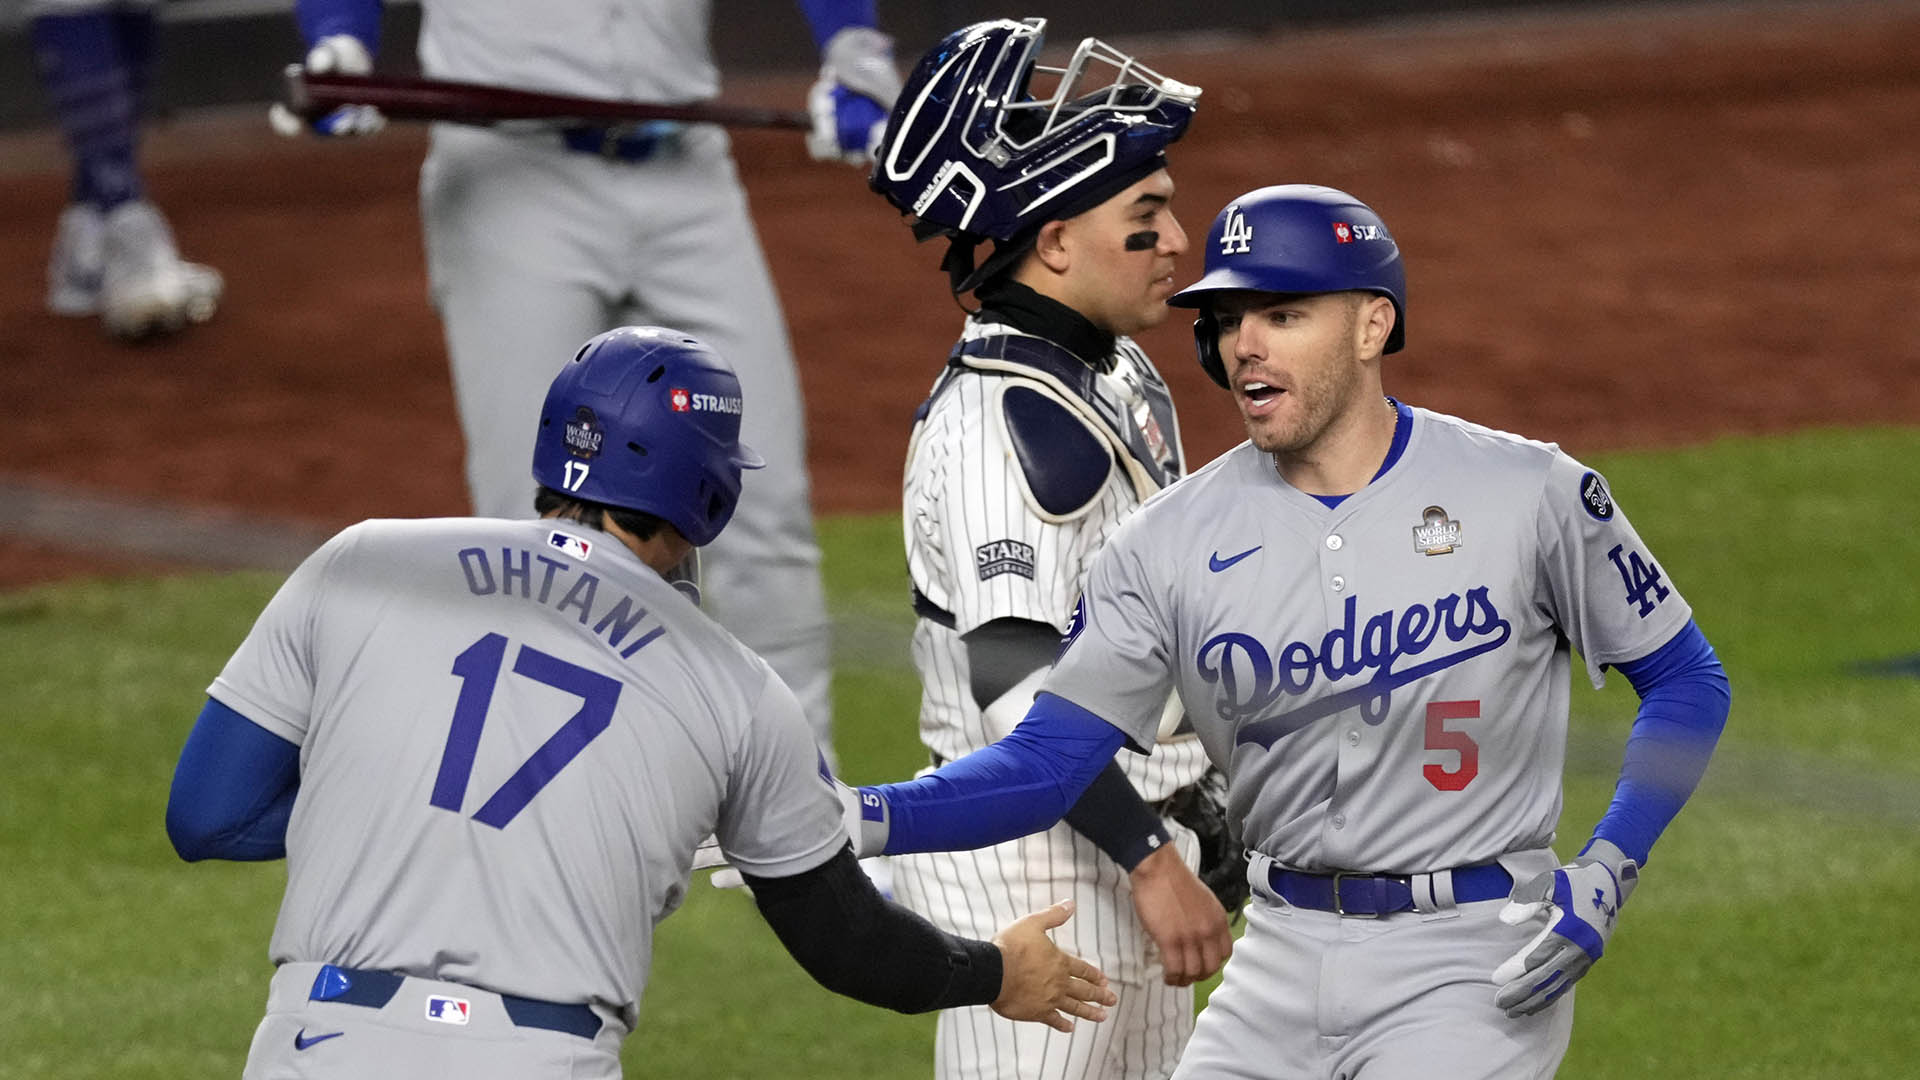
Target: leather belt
(373,989)
(620,142)
(1369,896)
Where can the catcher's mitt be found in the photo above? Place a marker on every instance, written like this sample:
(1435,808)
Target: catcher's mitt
(1202,807)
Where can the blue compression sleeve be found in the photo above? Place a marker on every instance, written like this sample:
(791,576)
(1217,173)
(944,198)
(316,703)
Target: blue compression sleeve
(321,18)
(1684,698)
(233,789)
(1019,785)
(829,17)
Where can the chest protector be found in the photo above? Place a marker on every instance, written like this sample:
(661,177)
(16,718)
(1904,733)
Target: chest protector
(1068,424)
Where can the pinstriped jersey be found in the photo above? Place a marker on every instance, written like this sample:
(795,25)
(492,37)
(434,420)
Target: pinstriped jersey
(1385,682)
(980,549)
(513,734)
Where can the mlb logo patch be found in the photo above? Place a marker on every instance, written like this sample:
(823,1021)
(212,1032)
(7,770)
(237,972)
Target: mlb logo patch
(569,544)
(680,399)
(448,1010)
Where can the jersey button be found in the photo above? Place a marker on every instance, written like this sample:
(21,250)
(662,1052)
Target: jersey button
(1338,583)
(1334,542)
(1339,821)
(1353,738)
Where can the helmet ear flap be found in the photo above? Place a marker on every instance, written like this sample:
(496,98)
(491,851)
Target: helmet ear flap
(1206,342)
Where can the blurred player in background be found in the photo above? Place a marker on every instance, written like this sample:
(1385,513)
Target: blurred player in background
(114,256)
(541,236)
(488,749)
(1048,426)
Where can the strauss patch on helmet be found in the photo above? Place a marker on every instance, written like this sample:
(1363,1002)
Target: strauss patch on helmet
(683,400)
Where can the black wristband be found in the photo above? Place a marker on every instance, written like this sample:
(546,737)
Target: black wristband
(1112,815)
(977,975)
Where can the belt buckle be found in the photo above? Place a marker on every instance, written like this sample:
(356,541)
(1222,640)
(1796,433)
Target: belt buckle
(610,138)
(1339,908)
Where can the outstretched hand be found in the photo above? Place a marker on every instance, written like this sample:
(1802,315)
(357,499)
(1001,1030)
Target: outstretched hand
(1041,983)
(1182,916)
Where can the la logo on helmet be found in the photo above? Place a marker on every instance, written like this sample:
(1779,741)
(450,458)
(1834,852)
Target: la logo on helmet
(1237,235)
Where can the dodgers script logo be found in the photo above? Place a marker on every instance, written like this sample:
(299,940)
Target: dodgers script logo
(1251,682)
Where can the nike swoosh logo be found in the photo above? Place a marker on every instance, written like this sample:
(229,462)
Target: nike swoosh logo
(1216,564)
(301,1042)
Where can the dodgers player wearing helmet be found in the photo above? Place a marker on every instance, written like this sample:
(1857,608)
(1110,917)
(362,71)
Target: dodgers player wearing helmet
(114,255)
(540,235)
(488,750)
(1046,427)
(1373,635)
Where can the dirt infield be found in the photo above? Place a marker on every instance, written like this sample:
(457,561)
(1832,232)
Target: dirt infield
(1628,230)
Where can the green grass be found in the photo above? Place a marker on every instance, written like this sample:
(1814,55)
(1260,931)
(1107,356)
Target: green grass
(1767,941)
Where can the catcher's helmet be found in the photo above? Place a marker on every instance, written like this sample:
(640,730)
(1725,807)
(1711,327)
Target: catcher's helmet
(1294,238)
(648,419)
(974,155)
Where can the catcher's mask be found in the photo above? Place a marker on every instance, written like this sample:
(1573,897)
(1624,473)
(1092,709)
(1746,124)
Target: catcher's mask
(648,419)
(985,143)
(1299,239)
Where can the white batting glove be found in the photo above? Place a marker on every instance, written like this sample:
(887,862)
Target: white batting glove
(850,100)
(707,857)
(1580,903)
(341,54)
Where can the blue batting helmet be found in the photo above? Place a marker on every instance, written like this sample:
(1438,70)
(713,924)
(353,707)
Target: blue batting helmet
(975,155)
(646,418)
(1294,238)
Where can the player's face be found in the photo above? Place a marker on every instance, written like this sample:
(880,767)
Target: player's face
(1293,363)
(1122,257)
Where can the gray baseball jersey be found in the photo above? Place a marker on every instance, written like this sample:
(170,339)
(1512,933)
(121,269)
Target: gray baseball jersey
(533,248)
(981,545)
(513,735)
(635,50)
(1385,682)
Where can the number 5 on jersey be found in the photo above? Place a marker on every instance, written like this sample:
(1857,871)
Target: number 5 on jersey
(1440,738)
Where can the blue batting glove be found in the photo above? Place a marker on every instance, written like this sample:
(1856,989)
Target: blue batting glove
(849,102)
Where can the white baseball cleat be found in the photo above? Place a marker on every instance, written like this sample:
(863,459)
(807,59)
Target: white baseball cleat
(146,288)
(78,260)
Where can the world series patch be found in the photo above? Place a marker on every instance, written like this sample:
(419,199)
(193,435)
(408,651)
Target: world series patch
(585,433)
(1004,557)
(1436,534)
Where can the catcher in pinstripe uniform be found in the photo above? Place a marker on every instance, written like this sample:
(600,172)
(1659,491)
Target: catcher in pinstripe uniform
(1045,429)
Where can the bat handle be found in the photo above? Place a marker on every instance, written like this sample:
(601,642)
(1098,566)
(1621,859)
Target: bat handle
(295,89)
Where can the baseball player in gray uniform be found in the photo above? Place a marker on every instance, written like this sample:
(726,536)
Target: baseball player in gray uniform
(113,255)
(541,236)
(488,750)
(1047,427)
(1370,612)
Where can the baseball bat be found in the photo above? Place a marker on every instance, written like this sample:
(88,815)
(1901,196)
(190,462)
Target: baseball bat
(311,95)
